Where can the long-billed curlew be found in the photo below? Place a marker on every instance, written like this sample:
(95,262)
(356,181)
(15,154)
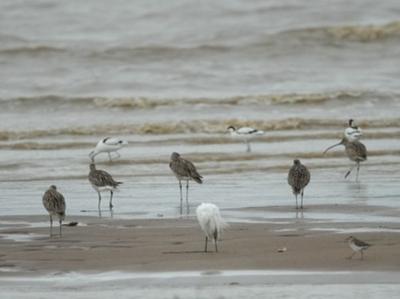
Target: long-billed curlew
(54,203)
(108,145)
(210,222)
(184,170)
(245,133)
(298,178)
(357,246)
(355,150)
(102,181)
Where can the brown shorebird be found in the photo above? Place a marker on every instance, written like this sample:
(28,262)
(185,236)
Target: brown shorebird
(355,150)
(357,246)
(102,181)
(210,222)
(54,203)
(298,178)
(184,170)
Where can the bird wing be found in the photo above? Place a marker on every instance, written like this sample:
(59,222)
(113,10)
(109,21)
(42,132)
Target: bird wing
(193,171)
(102,178)
(246,130)
(298,177)
(112,141)
(54,201)
(357,150)
(185,168)
(360,243)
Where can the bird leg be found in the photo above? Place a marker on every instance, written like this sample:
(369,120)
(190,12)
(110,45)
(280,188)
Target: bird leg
(248,146)
(109,156)
(60,227)
(215,240)
(118,155)
(111,196)
(51,226)
(351,169)
(362,254)
(205,248)
(187,197)
(296,201)
(180,188)
(302,194)
(358,170)
(351,256)
(99,200)
(99,205)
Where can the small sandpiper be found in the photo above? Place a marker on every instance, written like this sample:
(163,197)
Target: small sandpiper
(357,246)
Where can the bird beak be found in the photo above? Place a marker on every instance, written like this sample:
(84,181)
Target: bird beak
(332,147)
(91,156)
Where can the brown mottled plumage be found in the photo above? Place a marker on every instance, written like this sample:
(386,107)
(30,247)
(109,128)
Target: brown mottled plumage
(184,170)
(54,203)
(355,150)
(102,181)
(298,178)
(357,245)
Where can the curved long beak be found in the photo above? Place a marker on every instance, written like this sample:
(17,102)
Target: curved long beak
(91,156)
(332,147)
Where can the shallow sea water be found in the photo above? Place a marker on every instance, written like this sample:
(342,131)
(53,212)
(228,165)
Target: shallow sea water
(172,76)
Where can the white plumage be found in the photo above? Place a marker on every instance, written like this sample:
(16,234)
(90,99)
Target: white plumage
(108,145)
(211,222)
(245,133)
(352,132)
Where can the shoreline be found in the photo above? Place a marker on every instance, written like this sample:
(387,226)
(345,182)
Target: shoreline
(176,244)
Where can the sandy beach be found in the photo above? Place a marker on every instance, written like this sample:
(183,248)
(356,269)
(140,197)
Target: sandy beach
(105,244)
(172,76)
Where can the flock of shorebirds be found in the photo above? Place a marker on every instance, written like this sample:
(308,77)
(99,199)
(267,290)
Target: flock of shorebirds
(208,214)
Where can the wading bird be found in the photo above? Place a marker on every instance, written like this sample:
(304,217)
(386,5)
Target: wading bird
(298,178)
(357,246)
(245,133)
(54,203)
(355,150)
(186,171)
(210,222)
(102,181)
(352,132)
(108,145)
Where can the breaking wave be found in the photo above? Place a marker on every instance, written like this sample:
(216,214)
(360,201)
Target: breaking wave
(318,35)
(353,33)
(204,126)
(31,50)
(152,103)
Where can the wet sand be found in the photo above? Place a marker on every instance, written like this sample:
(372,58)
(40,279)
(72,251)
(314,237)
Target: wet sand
(149,245)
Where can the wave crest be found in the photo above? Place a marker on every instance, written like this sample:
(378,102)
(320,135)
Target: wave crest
(199,126)
(152,103)
(31,50)
(355,33)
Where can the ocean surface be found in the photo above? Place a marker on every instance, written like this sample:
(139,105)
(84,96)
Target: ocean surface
(207,284)
(172,76)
